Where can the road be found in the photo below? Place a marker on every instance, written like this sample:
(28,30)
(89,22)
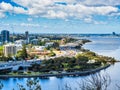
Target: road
(7,65)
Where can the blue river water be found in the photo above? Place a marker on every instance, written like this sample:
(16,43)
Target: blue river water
(103,46)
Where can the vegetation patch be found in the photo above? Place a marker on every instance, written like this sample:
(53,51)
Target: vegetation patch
(81,62)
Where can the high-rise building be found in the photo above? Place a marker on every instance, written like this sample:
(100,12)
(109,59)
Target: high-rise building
(5,36)
(10,49)
(113,33)
(27,36)
(0,38)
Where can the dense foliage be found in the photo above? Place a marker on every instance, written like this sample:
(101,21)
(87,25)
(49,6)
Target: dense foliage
(78,63)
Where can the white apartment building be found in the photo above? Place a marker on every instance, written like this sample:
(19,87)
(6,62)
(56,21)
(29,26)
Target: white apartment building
(39,48)
(19,44)
(10,49)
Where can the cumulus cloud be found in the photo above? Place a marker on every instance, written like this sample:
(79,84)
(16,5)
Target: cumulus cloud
(2,15)
(29,25)
(55,14)
(91,20)
(19,10)
(73,8)
(100,2)
(4,7)
(63,9)
(29,19)
(79,10)
(7,7)
(85,2)
(88,20)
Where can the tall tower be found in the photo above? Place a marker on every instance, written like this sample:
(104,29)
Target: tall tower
(27,36)
(5,36)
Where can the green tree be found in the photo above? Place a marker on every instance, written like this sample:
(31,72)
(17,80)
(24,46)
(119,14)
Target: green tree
(51,53)
(24,52)
(19,54)
(1,50)
(81,59)
(56,45)
(41,43)
(9,57)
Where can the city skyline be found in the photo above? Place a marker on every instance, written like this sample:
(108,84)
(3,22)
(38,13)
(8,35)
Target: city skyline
(57,16)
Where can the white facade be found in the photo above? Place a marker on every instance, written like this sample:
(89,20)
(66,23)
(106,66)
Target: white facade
(0,43)
(45,39)
(39,48)
(49,44)
(10,49)
(19,47)
(20,42)
(34,41)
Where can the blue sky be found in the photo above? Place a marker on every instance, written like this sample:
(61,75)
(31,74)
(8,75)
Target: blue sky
(60,16)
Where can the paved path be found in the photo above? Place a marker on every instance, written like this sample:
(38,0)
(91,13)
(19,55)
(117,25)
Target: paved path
(8,65)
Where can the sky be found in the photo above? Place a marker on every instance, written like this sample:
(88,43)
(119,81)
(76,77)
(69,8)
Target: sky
(60,16)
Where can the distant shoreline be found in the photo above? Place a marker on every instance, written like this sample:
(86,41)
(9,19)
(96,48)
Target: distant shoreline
(81,73)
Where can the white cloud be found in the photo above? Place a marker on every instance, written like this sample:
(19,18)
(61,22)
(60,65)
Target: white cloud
(29,25)
(100,2)
(2,15)
(19,10)
(20,24)
(84,2)
(99,22)
(79,9)
(4,7)
(56,14)
(88,20)
(7,7)
(29,19)
(48,8)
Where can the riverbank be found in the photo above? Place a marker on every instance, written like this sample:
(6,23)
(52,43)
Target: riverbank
(83,63)
(82,73)
(52,83)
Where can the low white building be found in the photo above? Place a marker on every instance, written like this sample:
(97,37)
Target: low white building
(19,44)
(10,49)
(91,61)
(19,47)
(69,46)
(45,39)
(39,48)
(49,44)
(35,41)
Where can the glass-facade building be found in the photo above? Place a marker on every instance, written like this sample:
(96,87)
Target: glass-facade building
(5,36)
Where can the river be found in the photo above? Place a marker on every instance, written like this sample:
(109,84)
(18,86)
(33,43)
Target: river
(103,46)
(108,46)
